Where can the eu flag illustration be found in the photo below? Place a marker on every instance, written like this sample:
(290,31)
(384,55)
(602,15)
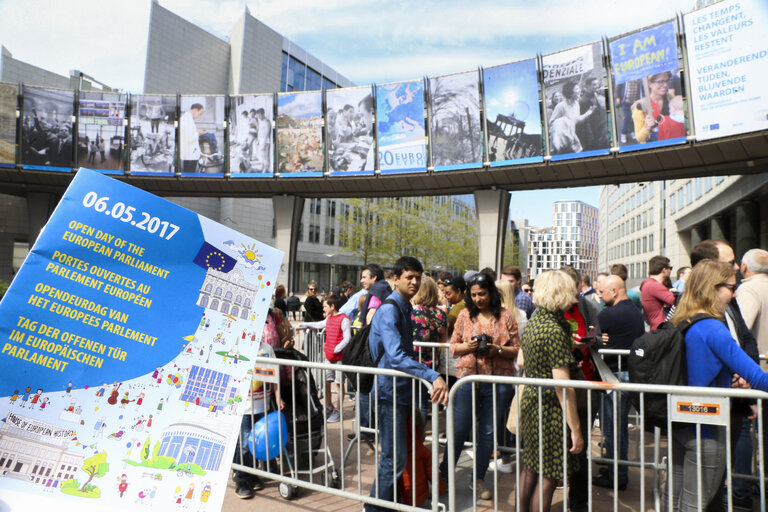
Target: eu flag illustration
(210,257)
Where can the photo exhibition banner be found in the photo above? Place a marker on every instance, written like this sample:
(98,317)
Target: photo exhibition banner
(455,132)
(575,102)
(47,128)
(8,97)
(647,88)
(513,114)
(101,132)
(251,140)
(728,63)
(400,127)
(126,338)
(349,118)
(201,135)
(300,134)
(153,134)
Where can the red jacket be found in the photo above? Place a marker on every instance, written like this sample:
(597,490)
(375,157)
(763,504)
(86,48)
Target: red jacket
(422,472)
(333,336)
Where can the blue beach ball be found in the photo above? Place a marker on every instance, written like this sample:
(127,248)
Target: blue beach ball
(274,424)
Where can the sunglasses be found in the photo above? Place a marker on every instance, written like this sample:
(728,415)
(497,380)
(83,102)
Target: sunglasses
(731,287)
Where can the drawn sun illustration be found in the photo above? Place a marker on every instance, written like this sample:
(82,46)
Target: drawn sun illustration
(249,253)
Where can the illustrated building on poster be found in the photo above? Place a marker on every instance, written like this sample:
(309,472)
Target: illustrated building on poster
(227,292)
(206,388)
(188,443)
(24,457)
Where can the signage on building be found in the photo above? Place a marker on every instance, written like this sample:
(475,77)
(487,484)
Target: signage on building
(125,343)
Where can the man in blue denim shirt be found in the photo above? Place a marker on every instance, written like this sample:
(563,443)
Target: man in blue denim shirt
(392,333)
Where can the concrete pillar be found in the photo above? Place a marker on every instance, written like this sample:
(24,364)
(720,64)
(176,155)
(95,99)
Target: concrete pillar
(288,211)
(40,206)
(747,228)
(719,228)
(492,207)
(698,234)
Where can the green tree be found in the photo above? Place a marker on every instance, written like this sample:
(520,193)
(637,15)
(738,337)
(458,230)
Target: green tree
(513,253)
(95,467)
(145,449)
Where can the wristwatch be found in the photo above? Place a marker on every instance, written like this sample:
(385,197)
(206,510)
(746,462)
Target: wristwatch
(500,349)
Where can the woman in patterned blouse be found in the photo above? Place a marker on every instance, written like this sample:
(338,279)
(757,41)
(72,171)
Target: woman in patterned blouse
(483,315)
(430,324)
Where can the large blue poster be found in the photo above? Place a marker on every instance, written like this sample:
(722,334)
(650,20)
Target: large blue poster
(400,122)
(728,71)
(647,88)
(512,110)
(125,338)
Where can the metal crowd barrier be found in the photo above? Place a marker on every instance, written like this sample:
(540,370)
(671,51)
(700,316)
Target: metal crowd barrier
(337,464)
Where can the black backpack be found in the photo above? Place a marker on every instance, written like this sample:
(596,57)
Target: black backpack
(658,357)
(358,353)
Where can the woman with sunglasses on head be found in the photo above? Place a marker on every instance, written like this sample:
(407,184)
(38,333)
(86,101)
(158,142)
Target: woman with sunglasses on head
(313,309)
(714,359)
(661,115)
(485,340)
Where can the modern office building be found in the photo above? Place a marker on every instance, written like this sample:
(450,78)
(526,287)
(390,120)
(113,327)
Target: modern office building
(572,240)
(641,220)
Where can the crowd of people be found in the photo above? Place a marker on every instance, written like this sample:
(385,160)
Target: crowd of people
(551,329)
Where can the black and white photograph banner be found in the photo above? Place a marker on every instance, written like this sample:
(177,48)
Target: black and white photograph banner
(251,139)
(575,99)
(47,129)
(513,114)
(8,97)
(201,135)
(349,121)
(455,132)
(101,132)
(153,134)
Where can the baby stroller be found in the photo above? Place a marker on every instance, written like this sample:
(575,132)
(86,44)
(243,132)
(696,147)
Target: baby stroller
(306,427)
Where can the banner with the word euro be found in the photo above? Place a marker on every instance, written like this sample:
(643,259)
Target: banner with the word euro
(647,88)
(456,139)
(126,338)
(349,121)
(8,99)
(400,127)
(300,134)
(728,67)
(101,131)
(201,135)
(153,134)
(47,129)
(575,101)
(251,139)
(513,114)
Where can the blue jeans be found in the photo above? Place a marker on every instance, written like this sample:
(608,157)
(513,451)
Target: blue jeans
(392,423)
(464,417)
(247,460)
(365,414)
(623,410)
(742,459)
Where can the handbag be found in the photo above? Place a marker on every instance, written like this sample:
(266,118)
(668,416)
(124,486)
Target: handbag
(513,422)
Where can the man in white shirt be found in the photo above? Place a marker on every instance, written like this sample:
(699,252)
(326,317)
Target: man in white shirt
(189,142)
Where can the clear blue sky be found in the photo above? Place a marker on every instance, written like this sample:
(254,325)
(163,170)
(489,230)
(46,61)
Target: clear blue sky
(368,41)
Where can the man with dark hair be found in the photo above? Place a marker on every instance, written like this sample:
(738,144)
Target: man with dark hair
(655,296)
(369,275)
(489,272)
(391,337)
(707,250)
(522,300)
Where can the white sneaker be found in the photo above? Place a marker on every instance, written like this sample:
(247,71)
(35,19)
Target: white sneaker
(500,465)
(334,417)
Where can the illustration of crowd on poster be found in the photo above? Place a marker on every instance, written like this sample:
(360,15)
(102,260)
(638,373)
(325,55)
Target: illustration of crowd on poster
(103,403)
(727,57)
(46,129)
(153,134)
(575,100)
(201,135)
(8,96)
(647,88)
(350,130)
(513,115)
(101,131)
(251,134)
(400,123)
(455,133)
(300,133)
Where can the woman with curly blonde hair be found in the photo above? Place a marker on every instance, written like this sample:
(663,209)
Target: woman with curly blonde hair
(712,357)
